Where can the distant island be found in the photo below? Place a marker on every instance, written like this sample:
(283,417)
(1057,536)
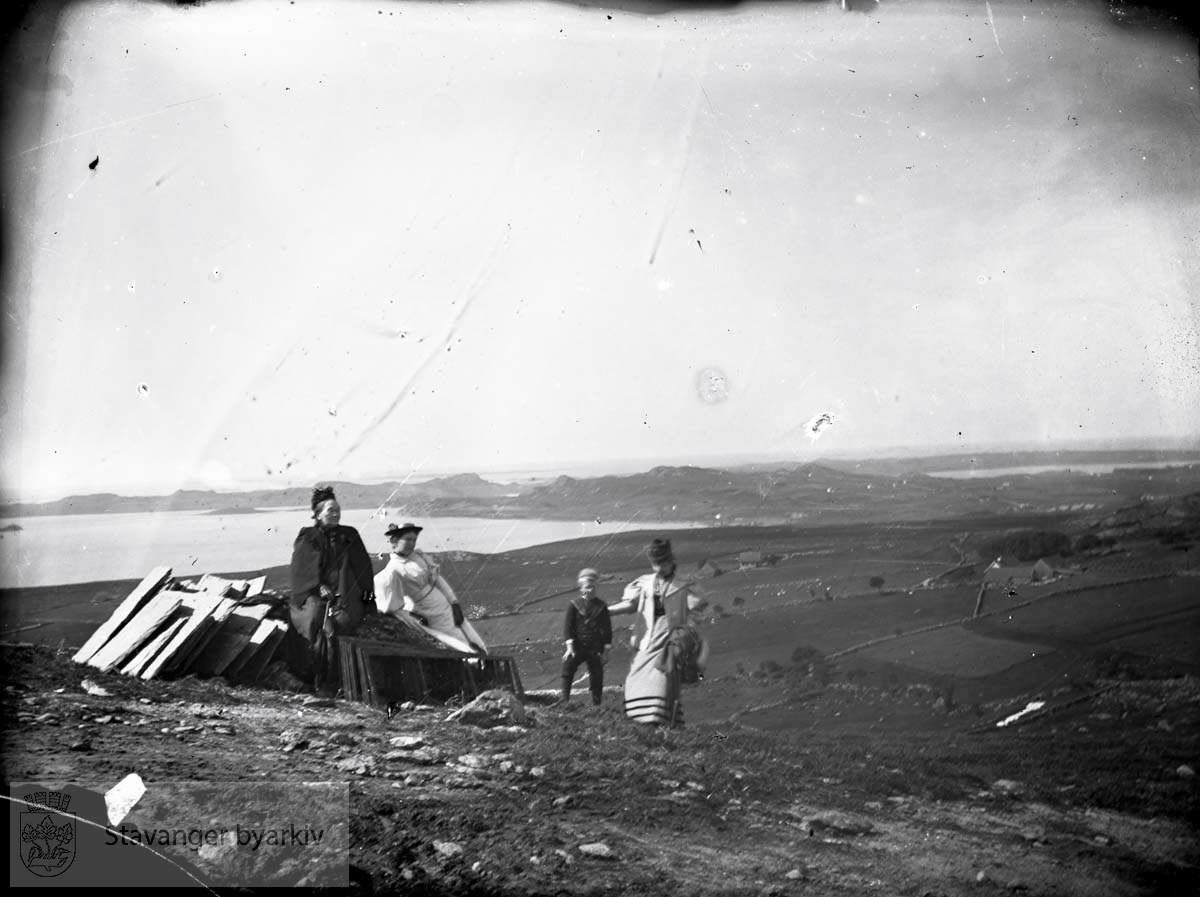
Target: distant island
(783,492)
(351,495)
(11,528)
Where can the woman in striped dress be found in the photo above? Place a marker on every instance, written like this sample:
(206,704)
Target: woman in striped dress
(665,607)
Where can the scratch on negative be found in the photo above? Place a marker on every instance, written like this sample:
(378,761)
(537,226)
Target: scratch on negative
(471,294)
(599,551)
(487,557)
(111,124)
(392,495)
(687,150)
(992,24)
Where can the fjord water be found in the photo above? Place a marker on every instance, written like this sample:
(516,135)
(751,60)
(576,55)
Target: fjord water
(980,473)
(57,550)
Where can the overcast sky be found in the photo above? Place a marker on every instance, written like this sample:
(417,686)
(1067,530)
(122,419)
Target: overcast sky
(339,240)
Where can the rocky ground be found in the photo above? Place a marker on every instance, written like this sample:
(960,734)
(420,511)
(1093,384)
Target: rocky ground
(808,766)
(1097,797)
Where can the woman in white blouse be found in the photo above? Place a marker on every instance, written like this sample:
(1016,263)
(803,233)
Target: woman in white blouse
(411,589)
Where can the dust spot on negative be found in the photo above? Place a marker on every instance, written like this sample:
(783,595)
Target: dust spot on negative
(818,425)
(712,386)
(143,389)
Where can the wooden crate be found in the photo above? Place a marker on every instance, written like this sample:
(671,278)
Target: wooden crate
(383,674)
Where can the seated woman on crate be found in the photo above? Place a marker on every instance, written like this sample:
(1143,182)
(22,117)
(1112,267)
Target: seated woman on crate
(332,591)
(411,589)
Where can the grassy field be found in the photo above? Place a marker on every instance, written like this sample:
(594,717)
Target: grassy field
(843,742)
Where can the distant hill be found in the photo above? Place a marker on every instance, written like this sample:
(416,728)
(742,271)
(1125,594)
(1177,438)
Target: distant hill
(991,460)
(826,492)
(351,495)
(666,493)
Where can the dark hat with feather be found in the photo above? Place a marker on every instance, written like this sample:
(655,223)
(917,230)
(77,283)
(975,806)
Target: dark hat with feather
(660,551)
(397,532)
(321,494)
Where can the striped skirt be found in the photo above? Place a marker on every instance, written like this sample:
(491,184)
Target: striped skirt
(651,695)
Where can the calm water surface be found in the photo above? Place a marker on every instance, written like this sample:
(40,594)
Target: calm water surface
(975,473)
(86,547)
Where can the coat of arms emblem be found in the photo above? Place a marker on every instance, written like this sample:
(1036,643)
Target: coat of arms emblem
(47,833)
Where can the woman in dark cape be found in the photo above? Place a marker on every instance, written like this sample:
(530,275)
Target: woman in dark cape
(332,590)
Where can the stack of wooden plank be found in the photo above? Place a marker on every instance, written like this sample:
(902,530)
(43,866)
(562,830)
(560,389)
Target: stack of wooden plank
(165,628)
(384,674)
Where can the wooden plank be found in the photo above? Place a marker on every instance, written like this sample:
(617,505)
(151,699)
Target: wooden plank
(383,673)
(518,687)
(270,649)
(202,606)
(228,643)
(183,662)
(263,631)
(349,658)
(470,688)
(378,680)
(263,634)
(151,649)
(134,633)
(229,588)
(424,682)
(255,586)
(131,605)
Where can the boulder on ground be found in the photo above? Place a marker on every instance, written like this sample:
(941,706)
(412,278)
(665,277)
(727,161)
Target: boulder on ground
(493,708)
(292,740)
(836,824)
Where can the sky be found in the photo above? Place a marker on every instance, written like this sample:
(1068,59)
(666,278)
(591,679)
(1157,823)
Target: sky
(340,240)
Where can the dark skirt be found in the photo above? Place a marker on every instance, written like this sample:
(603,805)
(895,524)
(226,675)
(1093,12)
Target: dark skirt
(312,648)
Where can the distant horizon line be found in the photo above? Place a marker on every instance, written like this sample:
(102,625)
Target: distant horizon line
(616,467)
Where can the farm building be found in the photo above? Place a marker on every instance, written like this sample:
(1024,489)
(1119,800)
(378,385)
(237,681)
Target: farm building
(1004,574)
(750,559)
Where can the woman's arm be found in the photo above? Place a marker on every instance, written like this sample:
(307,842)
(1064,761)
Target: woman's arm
(435,576)
(696,600)
(437,581)
(630,600)
(440,582)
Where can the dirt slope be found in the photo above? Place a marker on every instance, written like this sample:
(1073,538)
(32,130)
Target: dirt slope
(1090,800)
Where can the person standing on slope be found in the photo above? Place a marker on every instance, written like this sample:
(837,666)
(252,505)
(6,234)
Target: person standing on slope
(331,591)
(670,652)
(587,632)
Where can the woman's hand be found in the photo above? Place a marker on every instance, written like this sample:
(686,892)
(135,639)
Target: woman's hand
(457,612)
(326,593)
